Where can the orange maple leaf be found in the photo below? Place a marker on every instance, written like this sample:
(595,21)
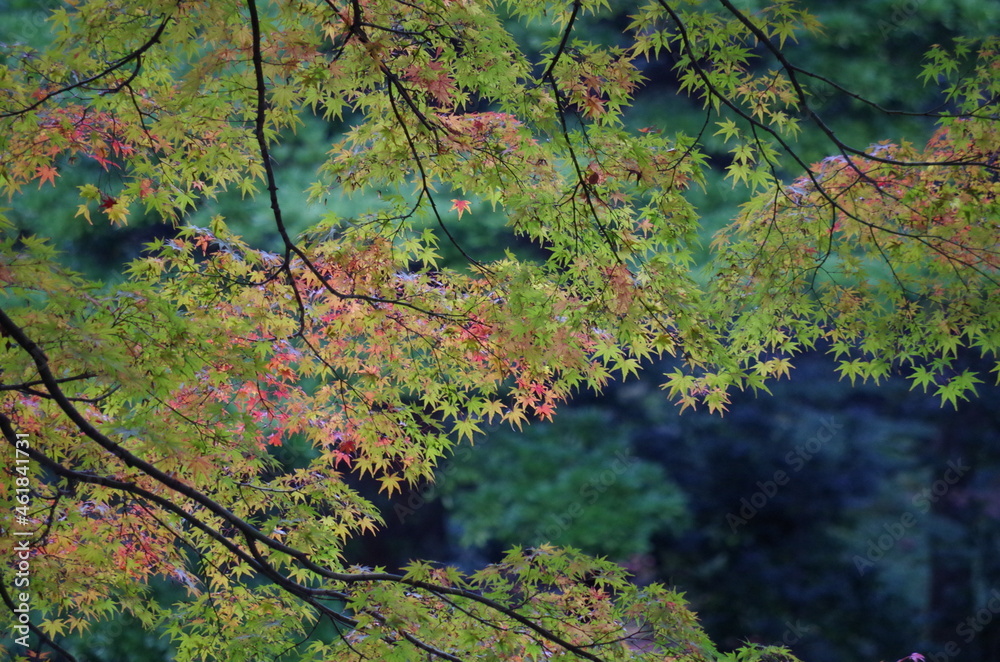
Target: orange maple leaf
(461,206)
(46,174)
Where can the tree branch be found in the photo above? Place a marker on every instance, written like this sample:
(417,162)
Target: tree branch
(118,64)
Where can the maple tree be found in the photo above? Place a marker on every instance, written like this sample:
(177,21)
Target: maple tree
(153,402)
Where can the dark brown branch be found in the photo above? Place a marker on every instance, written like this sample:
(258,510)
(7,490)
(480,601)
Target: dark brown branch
(34,628)
(812,114)
(729,103)
(250,533)
(425,185)
(272,188)
(118,64)
(562,42)
(38,382)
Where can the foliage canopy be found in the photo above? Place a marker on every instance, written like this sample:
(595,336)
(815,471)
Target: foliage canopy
(152,403)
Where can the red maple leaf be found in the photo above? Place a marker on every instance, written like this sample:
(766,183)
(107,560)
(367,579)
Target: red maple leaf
(545,411)
(461,206)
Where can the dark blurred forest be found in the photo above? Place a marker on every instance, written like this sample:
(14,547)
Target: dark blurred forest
(846,521)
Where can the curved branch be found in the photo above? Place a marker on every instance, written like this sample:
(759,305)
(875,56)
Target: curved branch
(425,185)
(250,533)
(5,596)
(134,55)
(37,382)
(812,114)
(812,176)
(290,246)
(562,42)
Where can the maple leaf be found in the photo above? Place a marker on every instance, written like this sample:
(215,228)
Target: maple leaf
(461,206)
(101,157)
(46,174)
(545,411)
(593,106)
